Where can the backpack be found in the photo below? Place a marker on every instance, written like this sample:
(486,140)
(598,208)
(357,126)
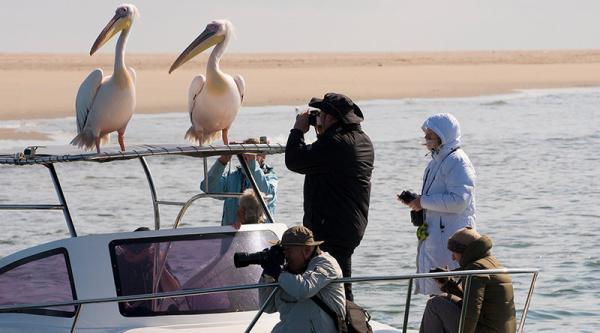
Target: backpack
(356,321)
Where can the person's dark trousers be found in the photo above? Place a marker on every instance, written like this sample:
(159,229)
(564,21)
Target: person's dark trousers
(440,316)
(343,255)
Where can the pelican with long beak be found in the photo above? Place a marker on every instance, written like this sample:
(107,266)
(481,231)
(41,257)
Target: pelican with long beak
(215,99)
(105,104)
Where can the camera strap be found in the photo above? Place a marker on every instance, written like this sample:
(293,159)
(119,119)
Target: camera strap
(334,316)
(423,191)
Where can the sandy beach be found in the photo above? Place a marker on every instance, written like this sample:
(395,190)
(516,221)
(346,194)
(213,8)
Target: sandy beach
(44,85)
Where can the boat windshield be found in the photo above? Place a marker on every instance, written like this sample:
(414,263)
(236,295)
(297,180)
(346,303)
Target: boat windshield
(150,265)
(45,277)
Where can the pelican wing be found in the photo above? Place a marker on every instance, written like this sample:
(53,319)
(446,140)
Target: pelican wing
(195,89)
(241,85)
(85,97)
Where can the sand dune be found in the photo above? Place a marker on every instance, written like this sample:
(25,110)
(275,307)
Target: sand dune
(45,85)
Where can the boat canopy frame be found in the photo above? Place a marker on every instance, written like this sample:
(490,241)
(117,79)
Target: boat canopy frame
(48,156)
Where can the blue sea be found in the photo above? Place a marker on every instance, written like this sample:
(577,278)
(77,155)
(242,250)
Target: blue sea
(538,193)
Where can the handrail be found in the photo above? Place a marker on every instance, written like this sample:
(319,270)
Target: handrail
(31,207)
(61,199)
(202,291)
(186,205)
(259,196)
(140,297)
(153,194)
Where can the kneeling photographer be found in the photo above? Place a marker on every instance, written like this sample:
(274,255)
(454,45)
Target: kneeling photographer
(304,280)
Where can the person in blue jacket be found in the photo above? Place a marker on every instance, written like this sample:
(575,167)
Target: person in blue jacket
(236,181)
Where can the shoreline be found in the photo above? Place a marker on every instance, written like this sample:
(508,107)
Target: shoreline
(42,86)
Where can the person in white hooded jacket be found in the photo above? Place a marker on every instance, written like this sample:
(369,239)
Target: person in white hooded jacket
(447,197)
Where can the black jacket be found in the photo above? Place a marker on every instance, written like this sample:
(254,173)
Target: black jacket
(337,186)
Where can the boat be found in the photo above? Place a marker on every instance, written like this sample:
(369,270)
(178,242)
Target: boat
(162,280)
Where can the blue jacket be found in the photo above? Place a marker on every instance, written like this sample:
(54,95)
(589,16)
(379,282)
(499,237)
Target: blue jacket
(236,182)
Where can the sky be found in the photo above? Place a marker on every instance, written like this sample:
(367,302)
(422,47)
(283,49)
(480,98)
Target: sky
(71,26)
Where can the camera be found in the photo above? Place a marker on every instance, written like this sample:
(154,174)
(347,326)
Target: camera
(312,117)
(273,255)
(441,280)
(416,217)
(407,196)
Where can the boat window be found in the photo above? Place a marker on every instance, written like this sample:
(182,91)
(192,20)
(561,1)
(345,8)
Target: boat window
(43,278)
(150,265)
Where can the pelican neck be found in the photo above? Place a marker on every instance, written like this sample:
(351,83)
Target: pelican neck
(215,56)
(120,52)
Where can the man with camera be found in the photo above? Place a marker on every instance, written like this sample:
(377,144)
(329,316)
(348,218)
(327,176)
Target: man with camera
(304,281)
(338,168)
(236,181)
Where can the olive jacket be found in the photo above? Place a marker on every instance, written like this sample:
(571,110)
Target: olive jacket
(490,306)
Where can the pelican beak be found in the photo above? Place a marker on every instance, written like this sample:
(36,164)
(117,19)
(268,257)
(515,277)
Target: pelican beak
(204,41)
(115,25)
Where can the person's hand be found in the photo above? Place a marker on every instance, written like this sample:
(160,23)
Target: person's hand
(272,270)
(302,122)
(416,204)
(441,280)
(239,218)
(237,224)
(260,159)
(224,159)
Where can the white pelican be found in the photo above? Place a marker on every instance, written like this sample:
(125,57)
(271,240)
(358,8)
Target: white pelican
(214,100)
(105,104)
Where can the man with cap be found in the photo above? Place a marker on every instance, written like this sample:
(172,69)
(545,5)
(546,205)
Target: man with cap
(490,305)
(306,275)
(338,167)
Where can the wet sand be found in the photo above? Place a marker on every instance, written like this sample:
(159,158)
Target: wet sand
(45,85)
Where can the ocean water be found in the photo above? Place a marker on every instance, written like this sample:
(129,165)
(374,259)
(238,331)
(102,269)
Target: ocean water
(538,194)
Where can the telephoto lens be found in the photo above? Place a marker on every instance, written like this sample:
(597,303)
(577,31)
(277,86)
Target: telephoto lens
(273,255)
(243,259)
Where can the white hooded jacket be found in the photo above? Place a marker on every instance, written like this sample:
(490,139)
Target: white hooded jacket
(448,198)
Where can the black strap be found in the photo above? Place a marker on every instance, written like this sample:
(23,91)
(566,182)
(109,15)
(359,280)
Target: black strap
(439,166)
(327,310)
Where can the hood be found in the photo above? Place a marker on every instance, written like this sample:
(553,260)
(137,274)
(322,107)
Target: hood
(446,126)
(476,250)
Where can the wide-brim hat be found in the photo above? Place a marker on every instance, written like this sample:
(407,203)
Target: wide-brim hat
(297,236)
(340,106)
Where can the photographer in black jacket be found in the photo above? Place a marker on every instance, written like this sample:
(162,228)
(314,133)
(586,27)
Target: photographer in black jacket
(338,170)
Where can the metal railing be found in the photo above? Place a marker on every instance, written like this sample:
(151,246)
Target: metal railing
(185,205)
(61,206)
(410,277)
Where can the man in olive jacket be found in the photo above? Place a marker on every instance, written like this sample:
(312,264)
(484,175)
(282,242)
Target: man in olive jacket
(338,170)
(490,306)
